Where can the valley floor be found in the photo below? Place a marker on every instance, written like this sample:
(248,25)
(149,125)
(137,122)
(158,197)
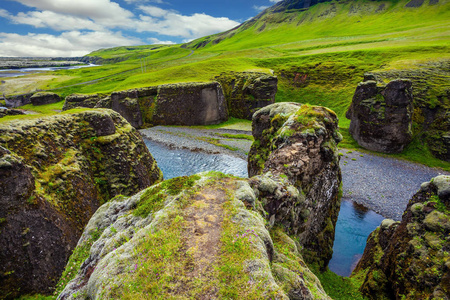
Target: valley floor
(379,183)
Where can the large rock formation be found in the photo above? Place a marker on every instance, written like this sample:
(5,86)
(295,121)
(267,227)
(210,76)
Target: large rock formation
(194,237)
(410,259)
(431,93)
(54,173)
(19,100)
(247,92)
(299,143)
(381,116)
(44,98)
(170,104)
(10,112)
(79,100)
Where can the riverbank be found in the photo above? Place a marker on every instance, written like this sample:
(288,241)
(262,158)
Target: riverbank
(379,183)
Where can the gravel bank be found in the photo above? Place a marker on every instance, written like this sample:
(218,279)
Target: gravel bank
(381,184)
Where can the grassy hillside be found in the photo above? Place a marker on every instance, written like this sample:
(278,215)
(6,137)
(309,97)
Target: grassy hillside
(319,54)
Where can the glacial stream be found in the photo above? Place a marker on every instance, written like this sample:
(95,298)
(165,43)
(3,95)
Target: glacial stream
(354,224)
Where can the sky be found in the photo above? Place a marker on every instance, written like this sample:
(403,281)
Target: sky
(67,28)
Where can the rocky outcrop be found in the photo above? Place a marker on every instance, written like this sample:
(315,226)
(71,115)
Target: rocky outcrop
(247,92)
(10,112)
(172,104)
(299,143)
(410,259)
(54,174)
(79,100)
(381,116)
(189,237)
(431,93)
(44,98)
(19,100)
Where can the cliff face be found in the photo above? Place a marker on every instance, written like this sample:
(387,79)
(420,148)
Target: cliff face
(410,259)
(55,172)
(246,92)
(196,237)
(171,104)
(299,143)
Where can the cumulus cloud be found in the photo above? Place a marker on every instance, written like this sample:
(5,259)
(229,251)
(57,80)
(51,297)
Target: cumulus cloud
(157,41)
(166,22)
(275,1)
(70,43)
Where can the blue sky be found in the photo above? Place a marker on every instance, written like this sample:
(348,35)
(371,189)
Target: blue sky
(78,27)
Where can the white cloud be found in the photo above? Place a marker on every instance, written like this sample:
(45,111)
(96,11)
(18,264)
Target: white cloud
(275,1)
(157,41)
(58,22)
(71,43)
(260,7)
(94,9)
(166,22)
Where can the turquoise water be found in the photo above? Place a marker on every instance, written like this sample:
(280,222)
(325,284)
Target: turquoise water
(354,224)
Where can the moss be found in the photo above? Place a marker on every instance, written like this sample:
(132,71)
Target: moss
(154,197)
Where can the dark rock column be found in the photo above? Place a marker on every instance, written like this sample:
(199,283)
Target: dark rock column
(381,116)
(299,144)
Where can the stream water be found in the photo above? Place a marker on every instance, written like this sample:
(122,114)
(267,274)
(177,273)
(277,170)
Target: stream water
(26,71)
(354,224)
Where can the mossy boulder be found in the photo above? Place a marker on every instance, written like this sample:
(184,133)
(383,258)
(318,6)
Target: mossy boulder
(42,98)
(10,112)
(78,100)
(410,259)
(431,94)
(55,172)
(170,104)
(298,143)
(191,237)
(381,116)
(246,92)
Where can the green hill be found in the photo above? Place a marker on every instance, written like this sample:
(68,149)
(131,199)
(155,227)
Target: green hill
(319,51)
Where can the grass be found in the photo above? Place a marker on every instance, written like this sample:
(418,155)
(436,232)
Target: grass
(338,287)
(236,136)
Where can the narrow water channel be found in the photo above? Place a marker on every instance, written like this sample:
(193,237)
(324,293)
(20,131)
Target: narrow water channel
(354,224)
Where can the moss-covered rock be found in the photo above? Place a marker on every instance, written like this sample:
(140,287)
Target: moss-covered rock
(246,92)
(196,240)
(10,112)
(170,104)
(298,144)
(42,98)
(431,93)
(410,259)
(381,116)
(55,172)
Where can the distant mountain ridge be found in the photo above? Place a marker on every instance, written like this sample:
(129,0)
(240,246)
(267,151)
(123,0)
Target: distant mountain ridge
(302,11)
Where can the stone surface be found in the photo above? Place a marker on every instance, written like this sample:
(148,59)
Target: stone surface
(44,98)
(212,215)
(79,100)
(410,259)
(19,100)
(299,143)
(431,94)
(171,104)
(381,116)
(10,112)
(246,92)
(55,172)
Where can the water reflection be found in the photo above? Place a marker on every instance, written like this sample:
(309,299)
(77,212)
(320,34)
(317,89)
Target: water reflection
(353,226)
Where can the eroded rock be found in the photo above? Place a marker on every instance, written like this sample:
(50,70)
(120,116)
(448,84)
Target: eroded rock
(215,247)
(42,98)
(246,92)
(170,104)
(55,172)
(381,116)
(298,143)
(410,259)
